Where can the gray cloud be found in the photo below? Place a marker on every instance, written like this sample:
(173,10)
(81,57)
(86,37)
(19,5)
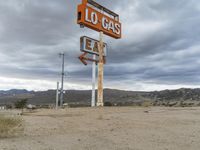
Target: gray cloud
(160,43)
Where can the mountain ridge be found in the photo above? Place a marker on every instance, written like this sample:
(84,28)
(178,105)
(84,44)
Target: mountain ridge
(113,96)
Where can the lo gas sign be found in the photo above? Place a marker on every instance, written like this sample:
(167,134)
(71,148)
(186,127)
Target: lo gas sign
(99,18)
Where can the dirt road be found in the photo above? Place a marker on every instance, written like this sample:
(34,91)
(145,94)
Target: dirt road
(125,128)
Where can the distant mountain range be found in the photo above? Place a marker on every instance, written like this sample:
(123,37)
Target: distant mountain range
(14,92)
(183,97)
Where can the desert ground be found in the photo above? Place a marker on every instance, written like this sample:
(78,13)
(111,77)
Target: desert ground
(119,128)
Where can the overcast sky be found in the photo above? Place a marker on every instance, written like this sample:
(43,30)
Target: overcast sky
(160,48)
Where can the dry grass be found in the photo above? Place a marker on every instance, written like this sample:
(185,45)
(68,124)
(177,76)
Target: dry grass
(146,104)
(113,128)
(10,126)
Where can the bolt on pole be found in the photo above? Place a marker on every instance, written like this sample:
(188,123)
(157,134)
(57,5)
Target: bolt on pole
(100,72)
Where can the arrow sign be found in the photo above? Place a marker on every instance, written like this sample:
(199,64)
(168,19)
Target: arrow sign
(83,59)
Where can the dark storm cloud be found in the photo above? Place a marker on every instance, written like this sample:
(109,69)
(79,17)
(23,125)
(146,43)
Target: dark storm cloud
(175,34)
(160,41)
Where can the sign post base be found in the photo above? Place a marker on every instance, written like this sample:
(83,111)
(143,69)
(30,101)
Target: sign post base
(100,104)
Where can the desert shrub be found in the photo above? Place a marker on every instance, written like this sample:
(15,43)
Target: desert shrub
(21,103)
(78,105)
(108,104)
(172,104)
(10,126)
(155,103)
(9,106)
(146,104)
(119,104)
(183,104)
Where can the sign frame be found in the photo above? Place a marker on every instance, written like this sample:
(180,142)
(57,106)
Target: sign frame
(99,18)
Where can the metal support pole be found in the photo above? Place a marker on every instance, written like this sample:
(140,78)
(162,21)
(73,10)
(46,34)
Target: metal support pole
(93,82)
(100,72)
(62,79)
(57,95)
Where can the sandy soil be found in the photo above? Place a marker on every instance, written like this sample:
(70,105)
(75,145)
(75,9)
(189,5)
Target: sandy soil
(125,128)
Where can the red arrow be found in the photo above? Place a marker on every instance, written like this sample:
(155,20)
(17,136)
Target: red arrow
(83,59)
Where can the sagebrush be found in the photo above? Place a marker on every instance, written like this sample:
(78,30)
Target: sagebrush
(10,126)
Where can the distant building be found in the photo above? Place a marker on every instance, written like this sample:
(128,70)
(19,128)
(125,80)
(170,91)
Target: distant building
(2,107)
(30,106)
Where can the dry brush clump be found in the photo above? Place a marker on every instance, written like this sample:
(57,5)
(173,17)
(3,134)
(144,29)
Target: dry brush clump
(147,104)
(10,126)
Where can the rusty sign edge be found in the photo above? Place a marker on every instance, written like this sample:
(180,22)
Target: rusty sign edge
(81,20)
(82,46)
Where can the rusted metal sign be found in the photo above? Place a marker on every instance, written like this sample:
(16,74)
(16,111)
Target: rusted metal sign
(99,18)
(90,45)
(83,58)
(94,16)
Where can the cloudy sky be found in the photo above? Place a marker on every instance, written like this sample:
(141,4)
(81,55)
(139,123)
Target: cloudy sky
(160,48)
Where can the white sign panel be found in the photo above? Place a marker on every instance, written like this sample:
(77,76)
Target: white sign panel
(90,45)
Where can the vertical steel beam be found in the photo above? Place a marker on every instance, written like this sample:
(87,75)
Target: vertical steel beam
(57,95)
(100,72)
(93,82)
(62,79)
